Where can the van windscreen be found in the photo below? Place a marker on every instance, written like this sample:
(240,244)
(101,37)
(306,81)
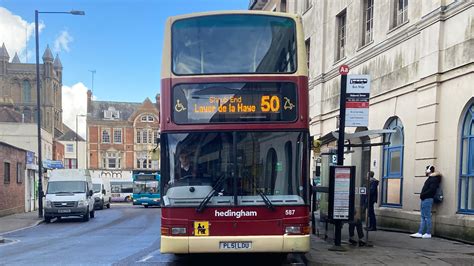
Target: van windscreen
(57,187)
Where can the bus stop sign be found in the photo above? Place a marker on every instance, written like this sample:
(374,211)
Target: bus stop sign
(344,70)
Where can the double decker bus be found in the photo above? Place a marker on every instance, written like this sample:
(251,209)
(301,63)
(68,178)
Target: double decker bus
(234,134)
(146,189)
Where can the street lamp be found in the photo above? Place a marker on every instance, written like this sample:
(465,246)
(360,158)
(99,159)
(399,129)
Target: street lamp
(77,147)
(38,103)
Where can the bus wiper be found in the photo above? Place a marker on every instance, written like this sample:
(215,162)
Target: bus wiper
(267,201)
(206,200)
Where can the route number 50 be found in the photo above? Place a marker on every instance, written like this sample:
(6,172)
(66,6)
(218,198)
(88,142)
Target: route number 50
(270,103)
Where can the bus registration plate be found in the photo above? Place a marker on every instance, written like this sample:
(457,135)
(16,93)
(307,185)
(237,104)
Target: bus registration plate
(235,245)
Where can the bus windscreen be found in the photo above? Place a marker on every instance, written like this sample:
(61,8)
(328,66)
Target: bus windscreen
(238,102)
(233,44)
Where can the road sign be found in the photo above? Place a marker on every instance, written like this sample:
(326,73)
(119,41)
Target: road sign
(357,100)
(344,70)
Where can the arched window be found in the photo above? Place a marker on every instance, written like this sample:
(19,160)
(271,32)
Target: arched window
(26,91)
(270,171)
(466,179)
(392,178)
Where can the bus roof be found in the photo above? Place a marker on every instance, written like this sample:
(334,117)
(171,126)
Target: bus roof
(228,12)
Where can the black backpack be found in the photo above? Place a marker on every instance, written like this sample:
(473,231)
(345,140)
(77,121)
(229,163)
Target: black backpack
(438,197)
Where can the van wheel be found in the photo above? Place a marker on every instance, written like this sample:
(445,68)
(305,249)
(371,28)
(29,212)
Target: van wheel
(101,205)
(47,219)
(93,213)
(86,216)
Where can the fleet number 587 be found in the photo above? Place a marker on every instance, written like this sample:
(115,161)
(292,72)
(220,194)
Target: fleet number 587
(289,212)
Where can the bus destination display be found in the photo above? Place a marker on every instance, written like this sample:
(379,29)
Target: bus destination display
(234,102)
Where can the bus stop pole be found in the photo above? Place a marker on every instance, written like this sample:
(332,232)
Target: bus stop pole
(340,146)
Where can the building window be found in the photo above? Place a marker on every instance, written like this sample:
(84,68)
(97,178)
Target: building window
(6,173)
(392,178)
(111,160)
(117,135)
(307,44)
(466,179)
(144,136)
(150,136)
(26,92)
(69,147)
(368,22)
(400,14)
(106,136)
(147,118)
(156,136)
(19,173)
(111,114)
(341,35)
(70,163)
(139,133)
(283,6)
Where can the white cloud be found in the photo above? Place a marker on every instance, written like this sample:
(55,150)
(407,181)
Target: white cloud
(62,42)
(15,32)
(75,103)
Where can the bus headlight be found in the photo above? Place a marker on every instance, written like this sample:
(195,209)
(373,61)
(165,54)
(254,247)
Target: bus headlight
(297,230)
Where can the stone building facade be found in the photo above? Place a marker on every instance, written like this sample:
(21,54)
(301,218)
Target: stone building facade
(18,89)
(12,179)
(122,135)
(419,55)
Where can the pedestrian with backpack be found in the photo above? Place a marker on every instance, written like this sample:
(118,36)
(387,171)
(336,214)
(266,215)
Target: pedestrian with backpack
(427,196)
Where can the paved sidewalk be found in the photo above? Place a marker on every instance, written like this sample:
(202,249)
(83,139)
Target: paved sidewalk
(18,221)
(392,248)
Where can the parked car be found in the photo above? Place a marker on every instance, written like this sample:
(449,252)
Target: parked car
(102,193)
(69,193)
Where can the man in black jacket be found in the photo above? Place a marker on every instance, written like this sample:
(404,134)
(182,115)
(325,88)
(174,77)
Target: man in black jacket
(373,186)
(427,194)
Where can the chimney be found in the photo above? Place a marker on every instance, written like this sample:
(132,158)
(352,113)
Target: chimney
(89,101)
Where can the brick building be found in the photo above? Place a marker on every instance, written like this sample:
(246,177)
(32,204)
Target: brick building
(12,179)
(121,135)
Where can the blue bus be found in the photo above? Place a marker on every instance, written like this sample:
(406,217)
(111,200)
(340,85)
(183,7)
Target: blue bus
(146,189)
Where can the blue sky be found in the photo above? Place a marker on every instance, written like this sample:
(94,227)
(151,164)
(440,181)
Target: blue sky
(121,40)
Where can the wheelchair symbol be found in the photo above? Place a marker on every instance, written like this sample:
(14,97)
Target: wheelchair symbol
(288,104)
(179,106)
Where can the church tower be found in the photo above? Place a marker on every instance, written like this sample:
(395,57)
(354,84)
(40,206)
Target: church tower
(46,91)
(57,90)
(4,57)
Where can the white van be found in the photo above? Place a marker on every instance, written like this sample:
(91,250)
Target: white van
(69,193)
(102,193)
